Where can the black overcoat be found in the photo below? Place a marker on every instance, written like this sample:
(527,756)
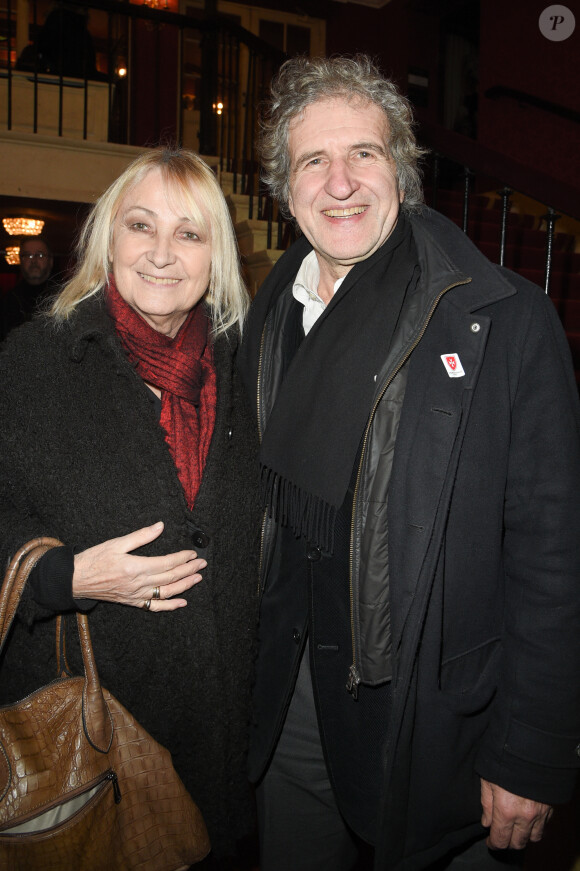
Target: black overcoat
(464,559)
(83,458)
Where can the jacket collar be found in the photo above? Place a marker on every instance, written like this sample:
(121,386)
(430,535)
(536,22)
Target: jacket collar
(481,282)
(435,236)
(91,322)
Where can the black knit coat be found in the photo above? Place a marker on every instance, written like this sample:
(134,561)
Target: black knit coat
(83,458)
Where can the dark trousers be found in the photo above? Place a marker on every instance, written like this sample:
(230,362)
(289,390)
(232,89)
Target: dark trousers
(300,825)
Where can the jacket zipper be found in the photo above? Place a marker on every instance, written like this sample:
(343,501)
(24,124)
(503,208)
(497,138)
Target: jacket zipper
(260,434)
(354,678)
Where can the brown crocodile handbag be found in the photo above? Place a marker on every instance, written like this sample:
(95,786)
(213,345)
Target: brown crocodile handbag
(83,787)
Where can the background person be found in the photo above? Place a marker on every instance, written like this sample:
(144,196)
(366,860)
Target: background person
(125,434)
(34,287)
(64,45)
(417,679)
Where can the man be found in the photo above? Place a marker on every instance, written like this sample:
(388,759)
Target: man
(19,304)
(417,678)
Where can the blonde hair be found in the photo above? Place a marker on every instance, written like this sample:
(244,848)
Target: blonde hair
(190,181)
(302,81)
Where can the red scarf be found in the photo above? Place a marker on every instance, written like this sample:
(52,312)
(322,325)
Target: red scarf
(183,369)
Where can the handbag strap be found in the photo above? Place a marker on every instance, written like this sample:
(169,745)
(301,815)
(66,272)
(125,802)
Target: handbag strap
(62,667)
(15,579)
(97,720)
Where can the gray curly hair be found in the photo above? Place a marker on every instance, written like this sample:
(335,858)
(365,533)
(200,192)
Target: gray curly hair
(302,81)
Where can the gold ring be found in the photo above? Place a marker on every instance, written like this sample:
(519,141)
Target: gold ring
(146,604)
(156,593)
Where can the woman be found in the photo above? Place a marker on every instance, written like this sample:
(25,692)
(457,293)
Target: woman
(125,434)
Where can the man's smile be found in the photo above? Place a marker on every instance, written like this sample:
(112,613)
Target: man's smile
(344,213)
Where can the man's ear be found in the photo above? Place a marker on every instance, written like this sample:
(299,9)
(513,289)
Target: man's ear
(401,195)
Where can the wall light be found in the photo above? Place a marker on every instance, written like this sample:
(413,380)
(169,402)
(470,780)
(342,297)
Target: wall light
(12,255)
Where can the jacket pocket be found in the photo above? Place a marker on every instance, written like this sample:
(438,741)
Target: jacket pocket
(468,681)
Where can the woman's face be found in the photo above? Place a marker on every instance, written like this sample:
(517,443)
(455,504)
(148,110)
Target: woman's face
(161,259)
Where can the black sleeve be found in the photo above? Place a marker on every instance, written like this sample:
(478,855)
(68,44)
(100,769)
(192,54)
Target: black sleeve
(50,584)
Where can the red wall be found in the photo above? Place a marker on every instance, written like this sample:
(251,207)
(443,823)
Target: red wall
(514,53)
(154,98)
(382,33)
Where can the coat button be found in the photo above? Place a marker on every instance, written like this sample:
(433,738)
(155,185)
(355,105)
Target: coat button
(578,750)
(296,636)
(313,554)
(475,328)
(200,539)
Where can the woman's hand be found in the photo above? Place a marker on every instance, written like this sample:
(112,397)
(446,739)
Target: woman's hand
(112,573)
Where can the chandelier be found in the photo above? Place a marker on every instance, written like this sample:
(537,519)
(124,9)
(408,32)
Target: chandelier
(23,226)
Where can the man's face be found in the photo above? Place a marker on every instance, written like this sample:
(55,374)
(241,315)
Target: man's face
(344,191)
(35,261)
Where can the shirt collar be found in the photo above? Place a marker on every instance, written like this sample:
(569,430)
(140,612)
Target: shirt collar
(306,282)
(305,290)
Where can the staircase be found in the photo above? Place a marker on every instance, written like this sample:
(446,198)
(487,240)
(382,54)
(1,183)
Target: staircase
(258,256)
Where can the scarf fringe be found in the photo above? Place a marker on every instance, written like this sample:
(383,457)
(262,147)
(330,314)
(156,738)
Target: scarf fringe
(305,513)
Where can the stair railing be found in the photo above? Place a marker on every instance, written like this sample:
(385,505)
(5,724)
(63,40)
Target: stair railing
(467,178)
(221,75)
(550,218)
(505,194)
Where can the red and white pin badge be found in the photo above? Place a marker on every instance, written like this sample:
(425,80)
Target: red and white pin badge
(453,365)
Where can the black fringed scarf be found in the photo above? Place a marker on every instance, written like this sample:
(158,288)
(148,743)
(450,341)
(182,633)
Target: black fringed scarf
(313,435)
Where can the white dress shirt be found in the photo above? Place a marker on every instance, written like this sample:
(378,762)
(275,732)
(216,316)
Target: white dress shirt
(305,290)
